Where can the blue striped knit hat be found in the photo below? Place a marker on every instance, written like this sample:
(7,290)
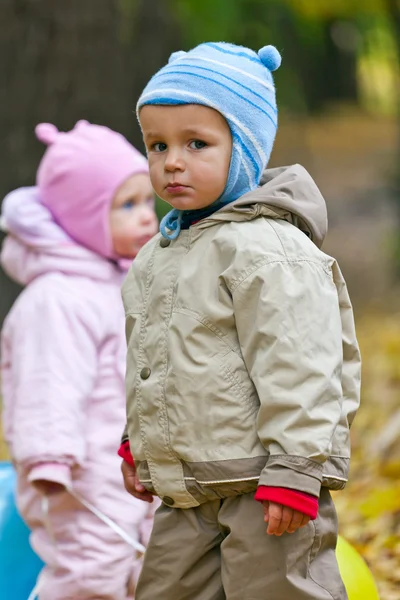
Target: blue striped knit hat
(237,82)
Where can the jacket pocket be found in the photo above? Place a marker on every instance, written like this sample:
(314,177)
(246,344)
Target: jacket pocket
(132,321)
(233,370)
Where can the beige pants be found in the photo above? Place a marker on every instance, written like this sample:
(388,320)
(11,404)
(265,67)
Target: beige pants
(220,551)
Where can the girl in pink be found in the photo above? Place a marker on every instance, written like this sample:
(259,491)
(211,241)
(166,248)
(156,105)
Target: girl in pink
(70,241)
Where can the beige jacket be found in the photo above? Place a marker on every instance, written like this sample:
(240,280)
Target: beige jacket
(243,365)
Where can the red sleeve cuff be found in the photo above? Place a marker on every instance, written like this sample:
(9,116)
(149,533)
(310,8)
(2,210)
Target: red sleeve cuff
(125,453)
(304,503)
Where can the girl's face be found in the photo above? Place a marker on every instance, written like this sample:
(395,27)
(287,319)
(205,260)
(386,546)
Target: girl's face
(132,218)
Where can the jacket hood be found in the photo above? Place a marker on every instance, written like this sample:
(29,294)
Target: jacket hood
(288,193)
(36,245)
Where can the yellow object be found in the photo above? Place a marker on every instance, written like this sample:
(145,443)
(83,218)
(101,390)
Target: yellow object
(357,577)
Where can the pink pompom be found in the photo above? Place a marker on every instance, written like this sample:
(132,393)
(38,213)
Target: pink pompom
(81,123)
(46,133)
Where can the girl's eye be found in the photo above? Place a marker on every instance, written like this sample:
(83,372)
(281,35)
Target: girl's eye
(159,147)
(128,204)
(197,145)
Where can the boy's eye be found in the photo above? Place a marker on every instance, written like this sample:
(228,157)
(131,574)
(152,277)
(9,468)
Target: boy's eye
(197,145)
(159,147)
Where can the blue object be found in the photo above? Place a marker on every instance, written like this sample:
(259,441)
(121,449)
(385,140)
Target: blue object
(19,565)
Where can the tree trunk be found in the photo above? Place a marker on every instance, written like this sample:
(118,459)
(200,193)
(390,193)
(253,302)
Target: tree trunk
(65,61)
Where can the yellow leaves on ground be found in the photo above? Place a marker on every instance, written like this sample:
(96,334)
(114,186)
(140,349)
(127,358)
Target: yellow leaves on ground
(3,448)
(387,497)
(369,508)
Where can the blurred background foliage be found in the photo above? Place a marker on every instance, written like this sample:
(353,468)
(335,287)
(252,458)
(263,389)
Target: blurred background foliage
(339,98)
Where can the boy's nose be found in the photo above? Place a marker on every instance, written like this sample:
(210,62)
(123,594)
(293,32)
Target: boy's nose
(174,161)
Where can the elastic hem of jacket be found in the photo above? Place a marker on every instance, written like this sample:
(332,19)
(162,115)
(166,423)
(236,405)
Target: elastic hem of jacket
(300,501)
(125,453)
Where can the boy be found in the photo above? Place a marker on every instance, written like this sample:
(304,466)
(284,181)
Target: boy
(243,366)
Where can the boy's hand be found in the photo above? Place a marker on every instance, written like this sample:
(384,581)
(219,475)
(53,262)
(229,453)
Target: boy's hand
(132,483)
(282,518)
(48,488)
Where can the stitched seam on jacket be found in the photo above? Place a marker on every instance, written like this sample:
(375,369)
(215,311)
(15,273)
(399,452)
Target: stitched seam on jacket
(339,456)
(334,477)
(221,481)
(268,221)
(163,375)
(237,281)
(294,458)
(213,328)
(234,380)
(140,363)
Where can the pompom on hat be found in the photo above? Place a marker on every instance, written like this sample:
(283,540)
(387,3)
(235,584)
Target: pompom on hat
(238,83)
(78,176)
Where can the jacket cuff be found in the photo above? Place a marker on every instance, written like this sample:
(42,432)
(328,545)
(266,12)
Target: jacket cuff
(125,453)
(304,503)
(292,472)
(51,471)
(125,436)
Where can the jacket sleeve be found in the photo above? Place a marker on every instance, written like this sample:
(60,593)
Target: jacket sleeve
(50,372)
(125,436)
(289,327)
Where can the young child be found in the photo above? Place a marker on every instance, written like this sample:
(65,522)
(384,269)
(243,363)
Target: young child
(243,366)
(70,240)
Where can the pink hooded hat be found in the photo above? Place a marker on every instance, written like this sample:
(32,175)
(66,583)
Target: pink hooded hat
(78,176)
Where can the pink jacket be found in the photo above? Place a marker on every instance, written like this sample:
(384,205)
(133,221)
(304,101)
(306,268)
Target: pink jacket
(63,362)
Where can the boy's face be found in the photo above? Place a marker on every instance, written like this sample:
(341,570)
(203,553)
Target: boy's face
(189,150)
(132,218)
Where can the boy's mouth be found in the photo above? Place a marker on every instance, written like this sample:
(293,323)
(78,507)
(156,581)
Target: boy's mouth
(176,188)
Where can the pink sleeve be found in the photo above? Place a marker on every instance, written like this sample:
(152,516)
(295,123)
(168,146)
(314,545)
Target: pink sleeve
(48,373)
(55,472)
